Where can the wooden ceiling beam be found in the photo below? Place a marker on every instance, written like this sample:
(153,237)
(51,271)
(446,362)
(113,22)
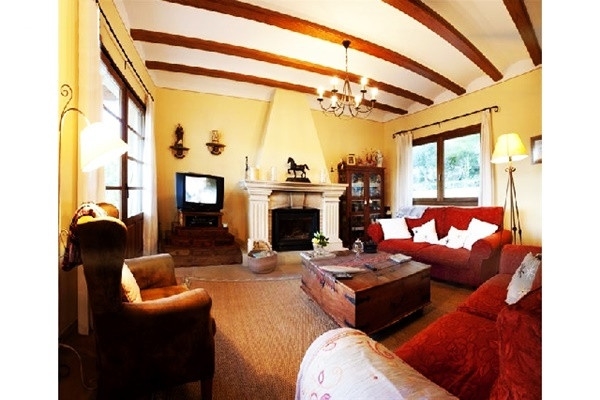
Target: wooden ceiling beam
(284,21)
(420,12)
(520,16)
(234,76)
(238,51)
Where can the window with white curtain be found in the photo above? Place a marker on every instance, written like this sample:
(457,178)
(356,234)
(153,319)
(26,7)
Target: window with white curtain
(123,111)
(446,168)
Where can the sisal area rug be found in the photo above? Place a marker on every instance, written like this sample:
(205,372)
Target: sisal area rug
(266,322)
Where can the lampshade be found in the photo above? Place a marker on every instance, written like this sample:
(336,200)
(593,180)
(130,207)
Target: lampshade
(509,147)
(98,145)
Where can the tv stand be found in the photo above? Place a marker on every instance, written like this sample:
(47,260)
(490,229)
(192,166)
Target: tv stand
(199,239)
(196,219)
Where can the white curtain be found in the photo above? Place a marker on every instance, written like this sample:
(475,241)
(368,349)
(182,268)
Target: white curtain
(90,186)
(403,184)
(486,194)
(149,180)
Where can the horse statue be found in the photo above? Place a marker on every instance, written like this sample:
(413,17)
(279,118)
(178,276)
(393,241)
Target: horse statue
(293,167)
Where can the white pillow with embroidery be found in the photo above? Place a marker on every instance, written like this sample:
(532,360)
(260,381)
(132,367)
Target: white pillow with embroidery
(426,233)
(395,228)
(129,286)
(456,238)
(522,280)
(478,230)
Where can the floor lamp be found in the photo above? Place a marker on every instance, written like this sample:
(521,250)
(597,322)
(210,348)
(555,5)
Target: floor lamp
(509,148)
(97,146)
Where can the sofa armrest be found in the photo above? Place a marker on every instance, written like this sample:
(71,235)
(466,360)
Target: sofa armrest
(345,363)
(512,255)
(153,271)
(486,247)
(375,232)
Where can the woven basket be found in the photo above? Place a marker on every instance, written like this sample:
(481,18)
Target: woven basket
(262,265)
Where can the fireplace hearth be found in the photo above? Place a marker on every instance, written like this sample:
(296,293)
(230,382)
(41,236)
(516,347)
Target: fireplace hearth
(293,228)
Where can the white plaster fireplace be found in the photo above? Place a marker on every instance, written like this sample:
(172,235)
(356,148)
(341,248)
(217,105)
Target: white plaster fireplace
(264,196)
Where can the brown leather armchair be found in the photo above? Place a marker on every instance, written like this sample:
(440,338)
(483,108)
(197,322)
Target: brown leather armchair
(165,340)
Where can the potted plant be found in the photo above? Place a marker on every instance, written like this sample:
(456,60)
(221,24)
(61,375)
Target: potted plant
(320,241)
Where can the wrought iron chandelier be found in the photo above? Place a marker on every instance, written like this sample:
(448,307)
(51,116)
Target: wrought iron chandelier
(344,104)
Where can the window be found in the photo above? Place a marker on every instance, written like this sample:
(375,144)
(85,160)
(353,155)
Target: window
(446,168)
(123,111)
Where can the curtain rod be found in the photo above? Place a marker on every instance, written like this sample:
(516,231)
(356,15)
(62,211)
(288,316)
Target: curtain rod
(495,108)
(127,59)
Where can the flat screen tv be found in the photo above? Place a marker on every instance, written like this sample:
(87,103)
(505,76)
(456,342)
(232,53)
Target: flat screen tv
(199,192)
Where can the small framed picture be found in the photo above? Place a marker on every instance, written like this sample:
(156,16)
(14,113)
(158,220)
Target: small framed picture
(351,159)
(536,149)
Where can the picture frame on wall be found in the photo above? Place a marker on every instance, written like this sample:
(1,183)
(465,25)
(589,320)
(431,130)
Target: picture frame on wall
(351,160)
(536,149)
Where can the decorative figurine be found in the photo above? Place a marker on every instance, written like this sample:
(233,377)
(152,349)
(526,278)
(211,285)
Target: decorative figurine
(293,167)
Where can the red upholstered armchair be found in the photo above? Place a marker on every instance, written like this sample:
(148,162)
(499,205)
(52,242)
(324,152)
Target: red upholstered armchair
(164,339)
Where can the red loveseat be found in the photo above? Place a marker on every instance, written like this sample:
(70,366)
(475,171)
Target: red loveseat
(458,265)
(486,349)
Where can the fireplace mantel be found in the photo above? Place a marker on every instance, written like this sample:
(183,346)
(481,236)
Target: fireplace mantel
(266,195)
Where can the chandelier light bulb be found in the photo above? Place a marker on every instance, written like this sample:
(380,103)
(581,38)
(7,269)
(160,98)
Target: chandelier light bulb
(334,82)
(320,91)
(374,92)
(334,100)
(363,82)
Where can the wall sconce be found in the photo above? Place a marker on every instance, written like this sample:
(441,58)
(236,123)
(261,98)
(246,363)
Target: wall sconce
(214,146)
(97,144)
(179,151)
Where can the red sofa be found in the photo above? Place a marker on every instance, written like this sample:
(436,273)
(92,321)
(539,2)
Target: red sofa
(486,349)
(462,266)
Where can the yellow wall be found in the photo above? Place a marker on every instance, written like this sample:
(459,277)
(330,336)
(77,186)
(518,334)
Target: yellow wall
(520,110)
(241,123)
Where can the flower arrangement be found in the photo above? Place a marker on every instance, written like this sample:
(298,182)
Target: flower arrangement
(320,239)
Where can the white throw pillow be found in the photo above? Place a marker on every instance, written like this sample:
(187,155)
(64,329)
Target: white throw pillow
(522,279)
(426,233)
(394,228)
(456,238)
(478,230)
(129,287)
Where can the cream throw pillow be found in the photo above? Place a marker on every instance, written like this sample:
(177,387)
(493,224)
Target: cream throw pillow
(522,279)
(478,230)
(456,238)
(129,287)
(426,233)
(395,228)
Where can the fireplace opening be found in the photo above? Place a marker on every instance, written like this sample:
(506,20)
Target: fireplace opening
(293,228)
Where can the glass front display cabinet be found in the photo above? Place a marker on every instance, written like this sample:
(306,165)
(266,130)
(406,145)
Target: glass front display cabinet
(362,203)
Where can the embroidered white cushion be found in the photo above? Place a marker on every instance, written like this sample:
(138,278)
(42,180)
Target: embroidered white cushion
(522,279)
(456,238)
(478,230)
(129,287)
(395,228)
(426,233)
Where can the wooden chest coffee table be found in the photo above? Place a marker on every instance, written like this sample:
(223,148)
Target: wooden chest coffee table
(372,299)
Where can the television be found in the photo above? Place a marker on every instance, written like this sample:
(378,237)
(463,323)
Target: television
(199,192)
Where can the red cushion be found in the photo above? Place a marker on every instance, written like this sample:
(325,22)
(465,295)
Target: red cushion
(520,349)
(489,299)
(458,351)
(436,254)
(375,232)
(404,246)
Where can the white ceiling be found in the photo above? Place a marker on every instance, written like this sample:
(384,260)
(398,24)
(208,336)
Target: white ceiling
(313,36)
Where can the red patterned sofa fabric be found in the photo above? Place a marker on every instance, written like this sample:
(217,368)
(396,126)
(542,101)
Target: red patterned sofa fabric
(459,352)
(520,349)
(489,299)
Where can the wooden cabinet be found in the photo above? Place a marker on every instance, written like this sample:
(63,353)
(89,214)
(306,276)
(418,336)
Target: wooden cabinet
(362,202)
